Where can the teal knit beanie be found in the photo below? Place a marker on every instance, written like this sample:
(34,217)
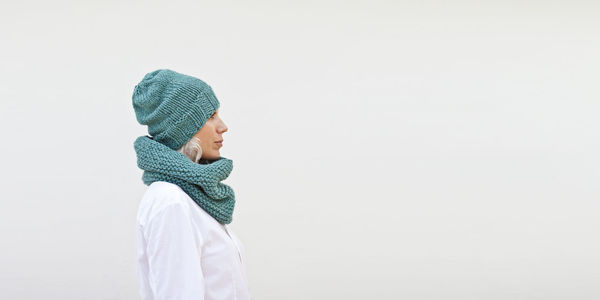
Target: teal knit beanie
(173,105)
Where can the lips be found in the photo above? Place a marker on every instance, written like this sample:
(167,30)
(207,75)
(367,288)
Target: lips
(221,141)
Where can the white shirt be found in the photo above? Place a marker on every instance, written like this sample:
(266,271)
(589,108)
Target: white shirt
(183,252)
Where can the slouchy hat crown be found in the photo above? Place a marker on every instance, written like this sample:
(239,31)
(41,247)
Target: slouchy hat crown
(174,106)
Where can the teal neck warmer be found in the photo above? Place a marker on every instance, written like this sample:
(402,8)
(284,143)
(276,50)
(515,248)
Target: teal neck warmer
(202,182)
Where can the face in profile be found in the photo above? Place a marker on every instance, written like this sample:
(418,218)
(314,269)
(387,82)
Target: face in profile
(211,137)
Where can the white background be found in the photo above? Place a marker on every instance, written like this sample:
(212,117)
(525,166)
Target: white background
(382,150)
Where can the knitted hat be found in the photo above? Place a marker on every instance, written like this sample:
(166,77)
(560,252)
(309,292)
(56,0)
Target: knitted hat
(173,105)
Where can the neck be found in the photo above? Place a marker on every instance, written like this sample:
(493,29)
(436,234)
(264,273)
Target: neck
(205,161)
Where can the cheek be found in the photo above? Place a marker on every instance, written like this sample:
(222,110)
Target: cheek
(206,142)
(204,133)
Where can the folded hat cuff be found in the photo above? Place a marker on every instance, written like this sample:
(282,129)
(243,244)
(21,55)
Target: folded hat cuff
(187,126)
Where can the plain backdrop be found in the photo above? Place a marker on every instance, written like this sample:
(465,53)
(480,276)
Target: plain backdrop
(381,149)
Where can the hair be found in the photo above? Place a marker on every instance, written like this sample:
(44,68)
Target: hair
(192,150)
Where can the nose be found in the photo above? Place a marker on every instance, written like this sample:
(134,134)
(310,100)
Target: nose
(223,128)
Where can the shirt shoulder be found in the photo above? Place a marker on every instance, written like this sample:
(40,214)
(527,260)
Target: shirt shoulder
(159,195)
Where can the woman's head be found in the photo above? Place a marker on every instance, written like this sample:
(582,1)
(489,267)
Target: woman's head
(177,107)
(206,143)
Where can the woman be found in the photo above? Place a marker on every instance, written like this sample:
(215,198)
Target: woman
(184,248)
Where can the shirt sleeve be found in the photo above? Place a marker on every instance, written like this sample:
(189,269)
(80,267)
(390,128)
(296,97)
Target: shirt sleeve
(173,256)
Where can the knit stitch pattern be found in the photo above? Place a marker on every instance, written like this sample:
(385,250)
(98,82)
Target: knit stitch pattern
(202,182)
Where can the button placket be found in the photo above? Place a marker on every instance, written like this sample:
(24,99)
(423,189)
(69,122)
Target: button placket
(234,243)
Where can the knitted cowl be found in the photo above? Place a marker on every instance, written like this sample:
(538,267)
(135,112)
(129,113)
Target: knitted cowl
(202,182)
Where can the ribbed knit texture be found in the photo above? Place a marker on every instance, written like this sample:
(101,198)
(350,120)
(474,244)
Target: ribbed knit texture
(202,182)
(173,105)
